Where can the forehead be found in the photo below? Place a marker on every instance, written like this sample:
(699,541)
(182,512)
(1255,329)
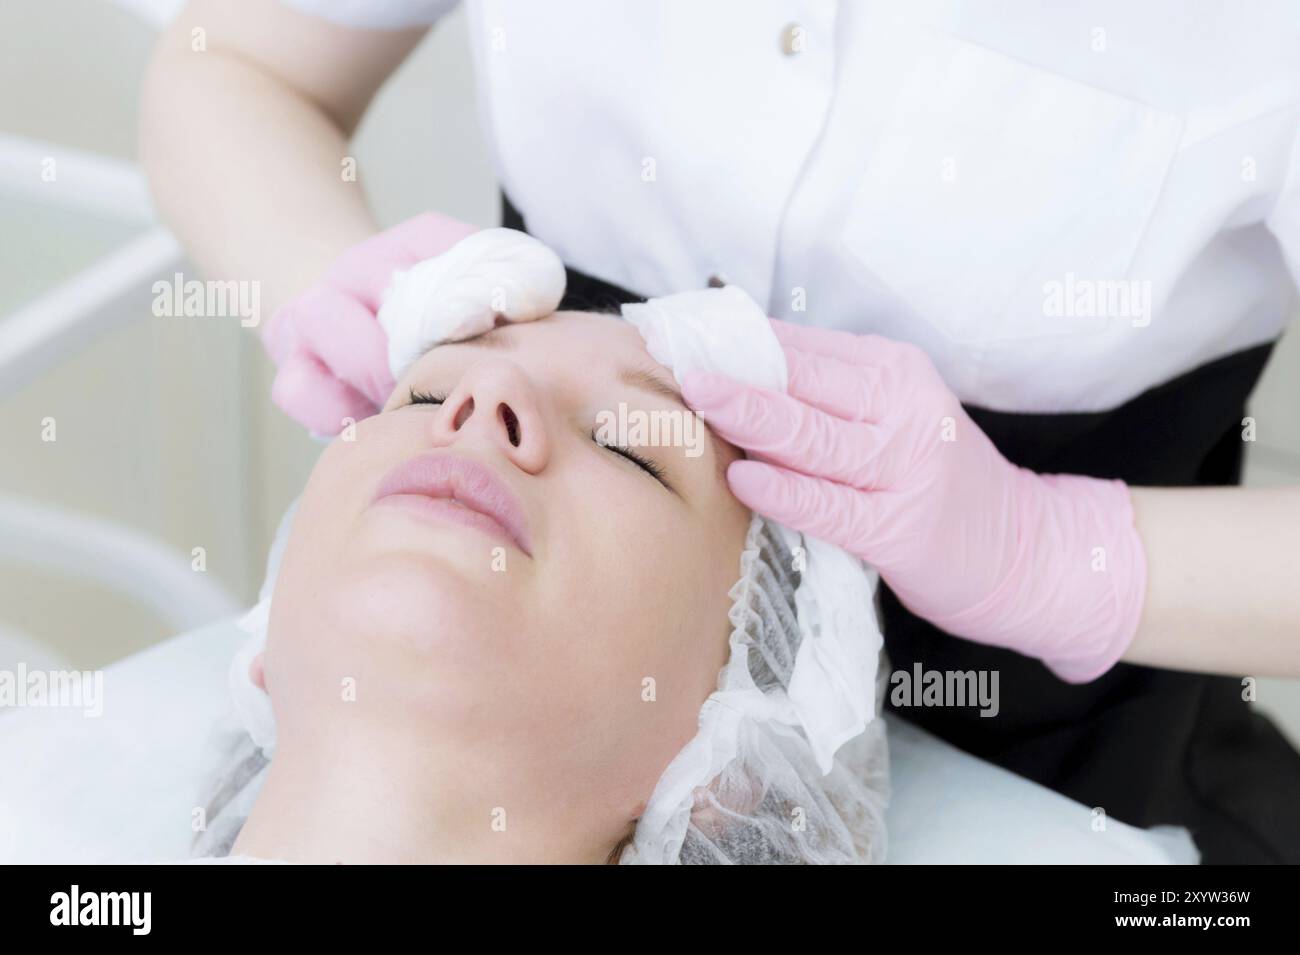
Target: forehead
(585,333)
(587,340)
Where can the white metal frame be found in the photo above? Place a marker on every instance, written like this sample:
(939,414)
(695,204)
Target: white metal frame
(56,326)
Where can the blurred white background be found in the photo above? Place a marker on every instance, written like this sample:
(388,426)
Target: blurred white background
(165,424)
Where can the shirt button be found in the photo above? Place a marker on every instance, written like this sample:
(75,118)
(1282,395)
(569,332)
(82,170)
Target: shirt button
(794,39)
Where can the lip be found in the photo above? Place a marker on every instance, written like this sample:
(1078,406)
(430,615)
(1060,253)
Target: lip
(459,490)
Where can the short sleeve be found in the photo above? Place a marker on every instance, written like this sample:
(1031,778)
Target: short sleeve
(375,14)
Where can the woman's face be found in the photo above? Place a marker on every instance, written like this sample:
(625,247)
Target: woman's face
(553,654)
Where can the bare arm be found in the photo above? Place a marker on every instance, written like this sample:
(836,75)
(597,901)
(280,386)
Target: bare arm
(1223,580)
(244,141)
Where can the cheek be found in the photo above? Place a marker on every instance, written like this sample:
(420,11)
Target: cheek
(318,556)
(640,587)
(619,559)
(636,636)
(341,486)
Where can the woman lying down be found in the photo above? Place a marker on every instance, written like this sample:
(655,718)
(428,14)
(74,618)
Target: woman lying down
(499,634)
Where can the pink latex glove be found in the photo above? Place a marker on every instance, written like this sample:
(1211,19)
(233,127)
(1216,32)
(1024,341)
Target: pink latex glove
(855,454)
(331,352)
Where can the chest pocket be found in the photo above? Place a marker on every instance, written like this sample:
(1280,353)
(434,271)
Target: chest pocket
(992,188)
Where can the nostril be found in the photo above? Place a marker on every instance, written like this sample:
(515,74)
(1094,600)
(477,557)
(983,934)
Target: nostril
(511,421)
(462,415)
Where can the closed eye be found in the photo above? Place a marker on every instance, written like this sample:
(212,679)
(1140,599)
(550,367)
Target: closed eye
(650,467)
(427,397)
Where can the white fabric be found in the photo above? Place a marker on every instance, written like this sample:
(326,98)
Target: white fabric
(124,787)
(940,814)
(494,273)
(921,170)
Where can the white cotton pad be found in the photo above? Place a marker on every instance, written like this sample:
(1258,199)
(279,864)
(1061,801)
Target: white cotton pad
(491,274)
(719,330)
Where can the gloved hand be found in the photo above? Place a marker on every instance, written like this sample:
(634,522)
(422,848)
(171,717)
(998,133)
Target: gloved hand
(871,451)
(331,353)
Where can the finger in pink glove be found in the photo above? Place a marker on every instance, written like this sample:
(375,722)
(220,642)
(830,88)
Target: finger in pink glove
(331,353)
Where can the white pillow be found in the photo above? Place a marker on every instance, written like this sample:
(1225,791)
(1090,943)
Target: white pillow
(123,787)
(951,807)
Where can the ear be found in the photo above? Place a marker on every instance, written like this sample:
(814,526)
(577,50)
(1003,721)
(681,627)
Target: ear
(731,791)
(257,671)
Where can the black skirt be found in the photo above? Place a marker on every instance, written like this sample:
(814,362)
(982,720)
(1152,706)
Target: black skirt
(1147,746)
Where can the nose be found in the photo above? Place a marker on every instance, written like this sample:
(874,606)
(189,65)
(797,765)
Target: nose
(496,402)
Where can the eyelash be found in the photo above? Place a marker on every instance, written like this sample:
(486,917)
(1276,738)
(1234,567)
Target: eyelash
(644,463)
(427,397)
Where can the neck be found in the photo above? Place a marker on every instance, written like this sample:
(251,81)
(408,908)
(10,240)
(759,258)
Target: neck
(371,807)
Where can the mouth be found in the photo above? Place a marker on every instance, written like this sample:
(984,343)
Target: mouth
(460,491)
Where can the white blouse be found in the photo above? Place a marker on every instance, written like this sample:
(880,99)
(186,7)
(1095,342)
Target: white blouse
(1064,204)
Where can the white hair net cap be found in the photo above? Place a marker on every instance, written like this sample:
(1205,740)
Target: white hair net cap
(749,787)
(790,762)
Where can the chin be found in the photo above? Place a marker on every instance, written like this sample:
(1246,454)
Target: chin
(425,648)
(427,603)
(465,551)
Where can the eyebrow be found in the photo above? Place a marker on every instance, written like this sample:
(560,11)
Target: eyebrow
(646,380)
(500,337)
